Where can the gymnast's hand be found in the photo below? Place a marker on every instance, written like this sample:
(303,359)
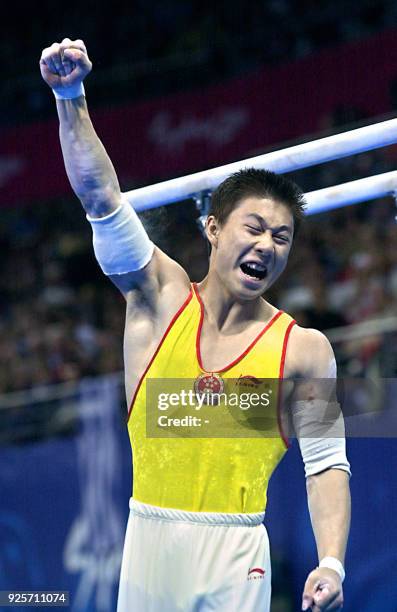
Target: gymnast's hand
(64,65)
(323,591)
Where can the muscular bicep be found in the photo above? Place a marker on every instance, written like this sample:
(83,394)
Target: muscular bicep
(311,405)
(312,365)
(315,416)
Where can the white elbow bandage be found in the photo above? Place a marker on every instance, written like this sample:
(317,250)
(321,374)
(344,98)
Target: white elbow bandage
(121,243)
(320,429)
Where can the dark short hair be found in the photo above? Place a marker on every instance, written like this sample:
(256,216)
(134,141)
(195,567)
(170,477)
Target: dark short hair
(260,183)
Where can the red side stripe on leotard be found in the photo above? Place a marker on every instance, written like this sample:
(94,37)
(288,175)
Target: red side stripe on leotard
(281,376)
(174,318)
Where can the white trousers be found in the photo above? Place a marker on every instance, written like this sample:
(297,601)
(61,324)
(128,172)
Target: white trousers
(178,561)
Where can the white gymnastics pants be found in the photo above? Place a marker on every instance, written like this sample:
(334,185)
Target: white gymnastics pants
(178,561)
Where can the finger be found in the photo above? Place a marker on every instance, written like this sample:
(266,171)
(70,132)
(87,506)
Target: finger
(46,60)
(68,66)
(80,44)
(74,55)
(48,67)
(82,65)
(327,600)
(55,58)
(51,79)
(307,601)
(43,56)
(309,591)
(65,64)
(67,43)
(60,70)
(52,59)
(69,60)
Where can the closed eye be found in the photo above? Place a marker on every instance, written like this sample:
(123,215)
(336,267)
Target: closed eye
(281,238)
(253,229)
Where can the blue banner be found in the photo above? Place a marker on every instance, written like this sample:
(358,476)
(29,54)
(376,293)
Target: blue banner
(64,508)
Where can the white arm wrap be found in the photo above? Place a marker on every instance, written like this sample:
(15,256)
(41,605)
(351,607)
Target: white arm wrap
(320,430)
(121,243)
(335,564)
(69,93)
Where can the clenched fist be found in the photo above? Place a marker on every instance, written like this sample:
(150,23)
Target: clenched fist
(323,591)
(64,65)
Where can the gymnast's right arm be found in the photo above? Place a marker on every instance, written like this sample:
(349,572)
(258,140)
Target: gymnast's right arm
(121,244)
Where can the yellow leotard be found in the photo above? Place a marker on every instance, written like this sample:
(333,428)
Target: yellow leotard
(208,474)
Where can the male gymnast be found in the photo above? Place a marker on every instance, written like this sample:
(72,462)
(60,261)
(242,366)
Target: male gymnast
(195,538)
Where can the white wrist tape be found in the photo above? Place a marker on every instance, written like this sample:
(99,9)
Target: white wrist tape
(334,564)
(121,243)
(68,93)
(320,429)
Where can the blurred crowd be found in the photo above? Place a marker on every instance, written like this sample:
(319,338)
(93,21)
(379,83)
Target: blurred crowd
(56,324)
(344,267)
(61,319)
(144,49)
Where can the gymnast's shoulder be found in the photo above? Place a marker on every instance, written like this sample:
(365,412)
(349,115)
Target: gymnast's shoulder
(309,353)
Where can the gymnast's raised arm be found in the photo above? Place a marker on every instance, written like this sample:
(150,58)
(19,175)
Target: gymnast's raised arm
(122,246)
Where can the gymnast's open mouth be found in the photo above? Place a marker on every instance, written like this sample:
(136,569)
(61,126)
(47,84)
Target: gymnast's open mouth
(254,270)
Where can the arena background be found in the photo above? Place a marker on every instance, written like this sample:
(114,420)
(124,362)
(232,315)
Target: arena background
(180,87)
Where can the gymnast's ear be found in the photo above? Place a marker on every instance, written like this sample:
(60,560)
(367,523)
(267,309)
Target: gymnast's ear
(212,228)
